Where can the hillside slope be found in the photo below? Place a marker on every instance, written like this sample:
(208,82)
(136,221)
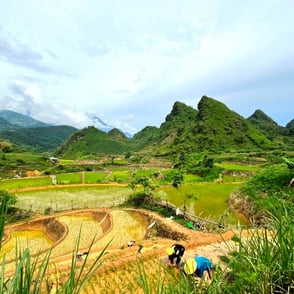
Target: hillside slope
(18,120)
(38,139)
(214,127)
(91,141)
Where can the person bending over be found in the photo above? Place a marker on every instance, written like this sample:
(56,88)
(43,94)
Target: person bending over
(198,265)
(175,254)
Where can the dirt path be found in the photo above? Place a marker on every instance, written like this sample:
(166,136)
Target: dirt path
(162,235)
(211,245)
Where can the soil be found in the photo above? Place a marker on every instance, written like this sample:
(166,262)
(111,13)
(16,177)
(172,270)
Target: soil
(163,234)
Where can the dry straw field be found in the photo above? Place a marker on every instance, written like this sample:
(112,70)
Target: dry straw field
(121,264)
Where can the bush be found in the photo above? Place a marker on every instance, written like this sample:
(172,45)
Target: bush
(264,262)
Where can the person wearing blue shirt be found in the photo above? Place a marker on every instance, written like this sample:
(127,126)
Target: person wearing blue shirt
(197,266)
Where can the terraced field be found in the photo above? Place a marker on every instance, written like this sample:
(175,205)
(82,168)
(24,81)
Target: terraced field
(121,265)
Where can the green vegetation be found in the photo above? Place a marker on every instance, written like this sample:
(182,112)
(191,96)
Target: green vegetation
(210,200)
(267,192)
(68,198)
(237,167)
(198,160)
(264,263)
(7,202)
(31,274)
(14,184)
(69,178)
(120,176)
(39,139)
(15,162)
(92,141)
(212,127)
(17,120)
(95,177)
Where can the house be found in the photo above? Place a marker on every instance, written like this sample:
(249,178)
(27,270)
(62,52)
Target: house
(53,159)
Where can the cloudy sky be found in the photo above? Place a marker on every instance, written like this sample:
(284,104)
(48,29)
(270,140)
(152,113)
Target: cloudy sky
(129,61)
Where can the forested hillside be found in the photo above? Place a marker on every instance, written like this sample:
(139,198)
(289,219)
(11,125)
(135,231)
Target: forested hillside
(39,139)
(212,127)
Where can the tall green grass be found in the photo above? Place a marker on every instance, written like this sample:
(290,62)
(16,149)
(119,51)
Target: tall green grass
(263,262)
(260,263)
(31,273)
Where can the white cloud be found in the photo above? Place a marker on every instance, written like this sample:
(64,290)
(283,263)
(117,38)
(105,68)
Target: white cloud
(68,58)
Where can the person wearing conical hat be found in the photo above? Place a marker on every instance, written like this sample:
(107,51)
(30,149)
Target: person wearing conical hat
(197,266)
(175,254)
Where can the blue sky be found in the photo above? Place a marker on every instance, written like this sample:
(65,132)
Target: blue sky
(129,61)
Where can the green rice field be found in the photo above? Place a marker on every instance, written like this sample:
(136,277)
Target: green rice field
(67,198)
(208,200)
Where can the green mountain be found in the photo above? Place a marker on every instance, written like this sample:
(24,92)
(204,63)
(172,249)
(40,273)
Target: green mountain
(214,127)
(146,138)
(180,118)
(5,125)
(116,134)
(266,125)
(91,141)
(280,135)
(17,120)
(38,139)
(290,127)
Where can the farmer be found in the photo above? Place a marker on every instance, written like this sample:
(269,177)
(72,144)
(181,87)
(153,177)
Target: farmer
(131,243)
(80,256)
(176,251)
(198,265)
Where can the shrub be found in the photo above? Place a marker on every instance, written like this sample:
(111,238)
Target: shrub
(264,262)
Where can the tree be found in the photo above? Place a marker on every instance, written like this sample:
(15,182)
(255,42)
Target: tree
(6,201)
(143,181)
(177,180)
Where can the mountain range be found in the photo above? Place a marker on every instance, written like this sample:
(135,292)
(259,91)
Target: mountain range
(25,131)
(212,127)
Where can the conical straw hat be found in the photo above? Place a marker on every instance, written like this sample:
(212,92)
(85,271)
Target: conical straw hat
(190,266)
(169,251)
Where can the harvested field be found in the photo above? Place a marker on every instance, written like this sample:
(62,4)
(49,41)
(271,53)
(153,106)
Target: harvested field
(120,269)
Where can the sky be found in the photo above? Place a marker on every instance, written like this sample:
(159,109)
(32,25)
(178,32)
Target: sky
(129,61)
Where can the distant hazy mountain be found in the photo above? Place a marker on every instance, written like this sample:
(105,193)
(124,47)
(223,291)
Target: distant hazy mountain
(39,139)
(98,123)
(18,120)
(101,125)
(5,125)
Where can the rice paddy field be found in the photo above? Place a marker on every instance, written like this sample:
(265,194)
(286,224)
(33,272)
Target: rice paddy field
(37,241)
(68,198)
(207,200)
(82,229)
